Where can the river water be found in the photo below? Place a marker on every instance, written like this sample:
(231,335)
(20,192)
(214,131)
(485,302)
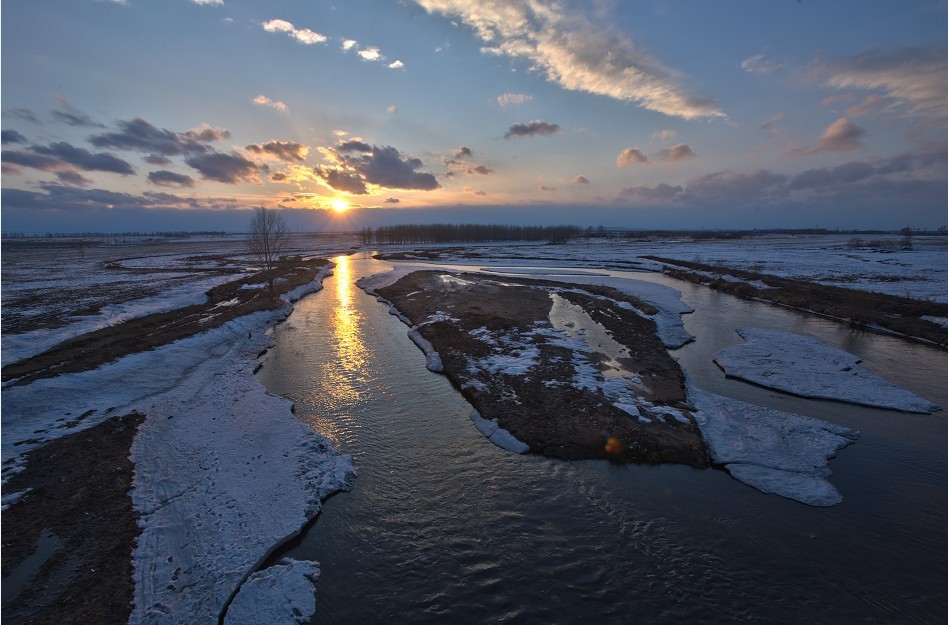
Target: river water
(441,526)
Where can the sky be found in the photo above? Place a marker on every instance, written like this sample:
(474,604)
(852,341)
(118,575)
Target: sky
(145,115)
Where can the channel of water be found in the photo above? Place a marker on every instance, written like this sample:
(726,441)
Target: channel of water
(441,526)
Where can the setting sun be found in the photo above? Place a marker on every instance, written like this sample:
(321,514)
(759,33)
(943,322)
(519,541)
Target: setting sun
(340,205)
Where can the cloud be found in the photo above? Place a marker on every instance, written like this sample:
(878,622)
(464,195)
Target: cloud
(22,113)
(536,127)
(63,156)
(265,101)
(580,180)
(675,154)
(370,54)
(355,165)
(157,159)
(913,79)
(758,64)
(218,3)
(547,189)
(463,152)
(392,109)
(823,178)
(723,187)
(777,117)
(165,178)
(840,136)
(11,136)
(340,133)
(277,176)
(288,151)
(60,198)
(396,65)
(507,99)
(303,35)
(227,168)
(73,178)
(571,51)
(348,44)
(68,114)
(482,170)
(664,135)
(631,156)
(871,104)
(660,193)
(139,135)
(392,200)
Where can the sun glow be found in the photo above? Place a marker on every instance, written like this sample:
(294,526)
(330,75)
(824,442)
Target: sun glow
(339,205)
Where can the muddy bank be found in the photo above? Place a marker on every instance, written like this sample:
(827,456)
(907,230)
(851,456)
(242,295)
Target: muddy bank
(67,542)
(498,346)
(224,303)
(865,309)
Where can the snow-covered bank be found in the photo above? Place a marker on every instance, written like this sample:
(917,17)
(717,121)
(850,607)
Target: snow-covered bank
(225,473)
(810,368)
(773,451)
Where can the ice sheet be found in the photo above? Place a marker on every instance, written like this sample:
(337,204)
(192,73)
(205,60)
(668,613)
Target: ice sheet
(810,368)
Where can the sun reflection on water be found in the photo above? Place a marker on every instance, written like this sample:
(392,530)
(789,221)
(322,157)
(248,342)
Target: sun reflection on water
(350,352)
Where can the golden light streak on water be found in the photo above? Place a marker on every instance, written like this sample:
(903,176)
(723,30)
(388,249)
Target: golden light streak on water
(349,350)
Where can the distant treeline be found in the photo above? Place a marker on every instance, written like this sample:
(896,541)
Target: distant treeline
(109,235)
(467,233)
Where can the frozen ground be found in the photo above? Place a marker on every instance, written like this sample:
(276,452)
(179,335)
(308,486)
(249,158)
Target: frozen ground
(224,472)
(920,273)
(810,368)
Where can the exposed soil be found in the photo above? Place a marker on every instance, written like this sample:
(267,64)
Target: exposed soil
(224,302)
(901,315)
(80,508)
(541,407)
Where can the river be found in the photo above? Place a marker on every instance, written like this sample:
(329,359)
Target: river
(441,526)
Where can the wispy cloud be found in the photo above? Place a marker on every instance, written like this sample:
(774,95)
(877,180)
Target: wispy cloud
(576,54)
(303,35)
(263,100)
(508,99)
(282,150)
(759,64)
(534,128)
(165,178)
(217,3)
(915,80)
(139,135)
(664,135)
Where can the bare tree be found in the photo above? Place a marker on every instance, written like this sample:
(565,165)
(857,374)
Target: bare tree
(268,240)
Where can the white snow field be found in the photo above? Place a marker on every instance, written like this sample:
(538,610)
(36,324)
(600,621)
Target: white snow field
(808,367)
(773,451)
(224,472)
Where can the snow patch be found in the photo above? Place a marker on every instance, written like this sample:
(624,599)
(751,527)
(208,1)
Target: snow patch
(498,435)
(282,594)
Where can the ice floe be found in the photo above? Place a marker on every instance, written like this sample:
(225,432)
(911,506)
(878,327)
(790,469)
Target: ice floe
(282,593)
(498,435)
(808,367)
(773,451)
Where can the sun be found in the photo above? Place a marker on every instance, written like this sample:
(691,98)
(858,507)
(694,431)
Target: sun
(339,205)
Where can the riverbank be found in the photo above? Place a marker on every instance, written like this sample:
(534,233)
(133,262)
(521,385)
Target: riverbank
(223,472)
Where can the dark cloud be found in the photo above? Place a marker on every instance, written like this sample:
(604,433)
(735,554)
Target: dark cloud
(341,180)
(227,168)
(157,159)
(381,166)
(278,176)
(676,153)
(631,156)
(580,180)
(71,116)
(139,135)
(392,200)
(165,178)
(659,193)
(289,151)
(22,113)
(11,136)
(73,177)
(545,188)
(463,152)
(353,145)
(536,127)
(63,156)
(823,178)
(731,187)
(482,170)
(83,159)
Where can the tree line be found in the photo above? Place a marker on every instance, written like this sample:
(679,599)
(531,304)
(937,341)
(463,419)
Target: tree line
(466,233)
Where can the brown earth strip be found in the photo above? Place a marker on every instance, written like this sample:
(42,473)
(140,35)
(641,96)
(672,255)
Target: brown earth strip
(541,407)
(224,302)
(83,573)
(901,315)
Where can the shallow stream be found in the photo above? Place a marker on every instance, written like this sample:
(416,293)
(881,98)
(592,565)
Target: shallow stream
(441,526)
